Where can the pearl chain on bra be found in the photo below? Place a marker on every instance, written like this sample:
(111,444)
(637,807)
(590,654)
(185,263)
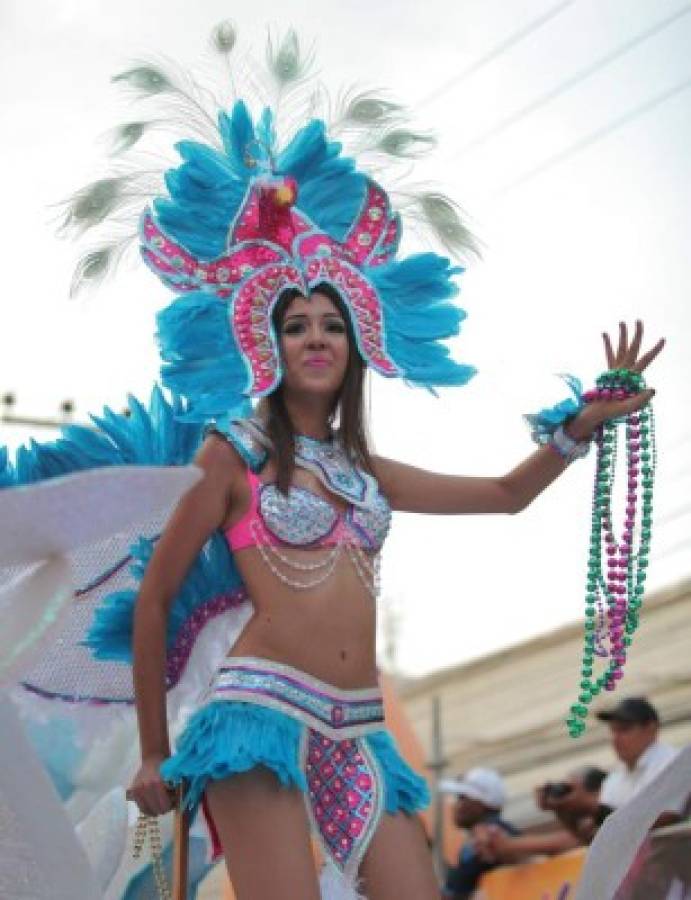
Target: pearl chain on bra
(367,570)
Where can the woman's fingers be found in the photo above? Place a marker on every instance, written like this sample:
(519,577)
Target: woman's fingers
(143,805)
(609,353)
(153,799)
(626,356)
(648,357)
(631,354)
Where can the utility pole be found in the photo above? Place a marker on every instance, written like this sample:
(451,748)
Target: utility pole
(436,765)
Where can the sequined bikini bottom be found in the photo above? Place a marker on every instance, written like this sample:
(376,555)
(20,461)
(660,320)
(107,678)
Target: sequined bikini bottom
(327,742)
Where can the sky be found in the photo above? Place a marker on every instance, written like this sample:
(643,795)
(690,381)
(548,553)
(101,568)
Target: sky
(564,132)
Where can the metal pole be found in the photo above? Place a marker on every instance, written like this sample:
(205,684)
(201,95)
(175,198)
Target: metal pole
(181,837)
(436,765)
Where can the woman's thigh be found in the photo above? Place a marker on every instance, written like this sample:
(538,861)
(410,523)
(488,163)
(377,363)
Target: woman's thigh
(398,862)
(264,833)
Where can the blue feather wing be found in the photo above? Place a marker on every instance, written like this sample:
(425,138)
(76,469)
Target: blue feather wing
(86,665)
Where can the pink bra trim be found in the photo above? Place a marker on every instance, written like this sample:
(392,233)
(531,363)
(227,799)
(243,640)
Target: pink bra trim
(241,534)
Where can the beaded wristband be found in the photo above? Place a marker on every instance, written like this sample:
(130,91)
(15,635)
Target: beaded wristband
(616,575)
(566,447)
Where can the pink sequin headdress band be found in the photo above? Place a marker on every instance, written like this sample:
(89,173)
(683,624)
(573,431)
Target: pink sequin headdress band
(273,248)
(248,216)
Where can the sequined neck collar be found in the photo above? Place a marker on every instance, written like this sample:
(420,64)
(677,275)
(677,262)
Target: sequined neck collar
(328,461)
(308,439)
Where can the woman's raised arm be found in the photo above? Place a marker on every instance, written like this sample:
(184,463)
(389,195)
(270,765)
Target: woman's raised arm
(410,489)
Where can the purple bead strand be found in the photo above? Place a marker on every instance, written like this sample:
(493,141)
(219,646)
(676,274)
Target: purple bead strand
(614,592)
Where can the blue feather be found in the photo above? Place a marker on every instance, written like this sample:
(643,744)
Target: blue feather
(147,436)
(201,358)
(156,436)
(330,190)
(266,133)
(416,295)
(239,140)
(544,423)
(7,473)
(212,574)
(205,195)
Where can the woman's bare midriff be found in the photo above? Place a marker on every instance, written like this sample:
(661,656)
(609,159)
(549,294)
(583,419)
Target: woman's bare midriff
(328,631)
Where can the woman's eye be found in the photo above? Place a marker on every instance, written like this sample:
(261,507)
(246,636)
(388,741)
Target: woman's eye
(294,328)
(336,327)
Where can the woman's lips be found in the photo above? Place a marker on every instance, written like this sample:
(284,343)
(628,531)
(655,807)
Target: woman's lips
(317,362)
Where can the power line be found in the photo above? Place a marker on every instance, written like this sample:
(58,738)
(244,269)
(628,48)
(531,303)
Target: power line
(594,137)
(571,82)
(497,51)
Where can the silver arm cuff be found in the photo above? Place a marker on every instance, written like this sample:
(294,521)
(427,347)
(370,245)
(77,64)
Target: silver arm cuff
(566,447)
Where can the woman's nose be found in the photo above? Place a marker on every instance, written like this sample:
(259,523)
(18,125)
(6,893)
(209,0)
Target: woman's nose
(316,335)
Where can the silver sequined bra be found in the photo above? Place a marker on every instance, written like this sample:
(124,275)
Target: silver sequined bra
(305,519)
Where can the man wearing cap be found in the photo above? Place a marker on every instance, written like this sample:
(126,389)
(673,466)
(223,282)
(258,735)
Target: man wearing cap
(480,796)
(634,726)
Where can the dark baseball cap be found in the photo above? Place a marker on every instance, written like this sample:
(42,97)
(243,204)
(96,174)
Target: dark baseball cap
(638,710)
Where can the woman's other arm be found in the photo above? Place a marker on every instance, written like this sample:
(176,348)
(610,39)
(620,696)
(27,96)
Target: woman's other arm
(198,514)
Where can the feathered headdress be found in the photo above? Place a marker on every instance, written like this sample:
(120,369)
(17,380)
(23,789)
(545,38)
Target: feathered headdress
(248,216)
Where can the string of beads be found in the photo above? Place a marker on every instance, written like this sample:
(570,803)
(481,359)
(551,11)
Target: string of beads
(617,566)
(148,827)
(367,569)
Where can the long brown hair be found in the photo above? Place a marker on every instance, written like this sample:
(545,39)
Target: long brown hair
(347,418)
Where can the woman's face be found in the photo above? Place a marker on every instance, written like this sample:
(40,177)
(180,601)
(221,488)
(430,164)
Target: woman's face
(314,345)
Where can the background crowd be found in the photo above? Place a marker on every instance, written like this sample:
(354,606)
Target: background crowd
(579,804)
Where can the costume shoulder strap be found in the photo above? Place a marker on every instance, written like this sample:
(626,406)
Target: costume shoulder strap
(242,435)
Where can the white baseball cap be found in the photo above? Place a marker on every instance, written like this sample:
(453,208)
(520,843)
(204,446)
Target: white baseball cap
(484,785)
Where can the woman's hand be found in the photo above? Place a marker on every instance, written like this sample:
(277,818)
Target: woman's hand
(148,789)
(628,356)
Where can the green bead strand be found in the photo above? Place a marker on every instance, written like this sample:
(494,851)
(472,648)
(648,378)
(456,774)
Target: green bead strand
(601,600)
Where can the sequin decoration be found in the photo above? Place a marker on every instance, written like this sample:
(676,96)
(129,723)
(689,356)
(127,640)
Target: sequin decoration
(262,219)
(368,524)
(304,518)
(370,225)
(179,654)
(338,714)
(251,318)
(329,461)
(254,454)
(371,523)
(388,243)
(299,519)
(275,247)
(182,271)
(345,802)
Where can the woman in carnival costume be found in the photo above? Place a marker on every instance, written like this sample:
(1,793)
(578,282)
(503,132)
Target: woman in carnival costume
(283,256)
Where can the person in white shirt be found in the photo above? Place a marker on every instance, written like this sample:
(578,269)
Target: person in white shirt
(634,727)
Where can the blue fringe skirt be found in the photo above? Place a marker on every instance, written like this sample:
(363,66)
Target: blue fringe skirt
(328,743)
